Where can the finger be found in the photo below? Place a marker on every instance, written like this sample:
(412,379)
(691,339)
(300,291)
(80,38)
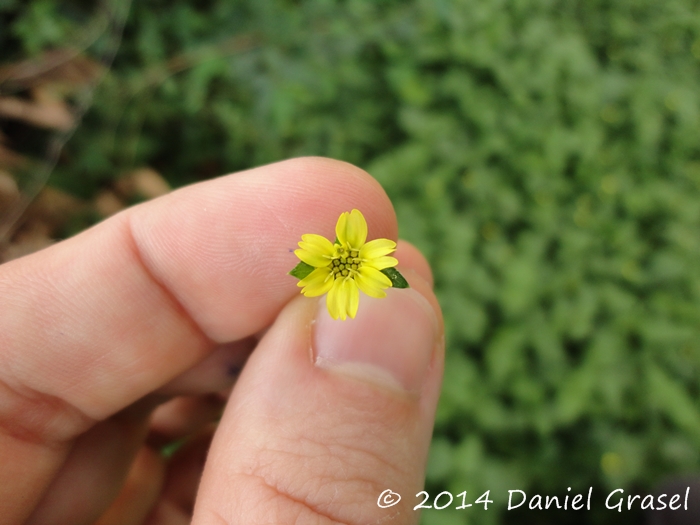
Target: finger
(215,372)
(114,305)
(140,493)
(90,325)
(95,470)
(185,471)
(316,436)
(165,513)
(182,417)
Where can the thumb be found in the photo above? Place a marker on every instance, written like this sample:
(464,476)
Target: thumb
(327,415)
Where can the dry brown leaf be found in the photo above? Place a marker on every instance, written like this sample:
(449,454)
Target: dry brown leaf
(54,207)
(9,159)
(26,246)
(9,192)
(146,183)
(52,114)
(107,203)
(67,67)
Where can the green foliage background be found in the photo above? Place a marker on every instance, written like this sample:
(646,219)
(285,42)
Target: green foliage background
(544,154)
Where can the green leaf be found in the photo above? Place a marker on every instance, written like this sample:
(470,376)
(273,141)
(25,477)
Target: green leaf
(301,270)
(397,280)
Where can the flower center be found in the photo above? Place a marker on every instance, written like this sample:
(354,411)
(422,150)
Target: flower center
(345,263)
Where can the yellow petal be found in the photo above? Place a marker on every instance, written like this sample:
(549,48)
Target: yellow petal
(381,262)
(369,289)
(332,299)
(372,282)
(317,282)
(342,298)
(356,229)
(314,259)
(316,244)
(353,297)
(377,248)
(341,228)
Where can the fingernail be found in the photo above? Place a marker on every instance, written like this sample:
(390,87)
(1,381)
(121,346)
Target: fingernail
(391,340)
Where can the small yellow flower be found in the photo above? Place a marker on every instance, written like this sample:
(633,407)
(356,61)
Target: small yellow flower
(347,266)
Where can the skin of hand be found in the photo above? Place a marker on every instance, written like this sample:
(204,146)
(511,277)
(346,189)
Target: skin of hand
(165,301)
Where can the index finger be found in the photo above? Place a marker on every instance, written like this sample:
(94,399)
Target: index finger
(92,324)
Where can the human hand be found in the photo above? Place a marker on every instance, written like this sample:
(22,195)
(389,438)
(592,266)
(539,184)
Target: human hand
(163,299)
